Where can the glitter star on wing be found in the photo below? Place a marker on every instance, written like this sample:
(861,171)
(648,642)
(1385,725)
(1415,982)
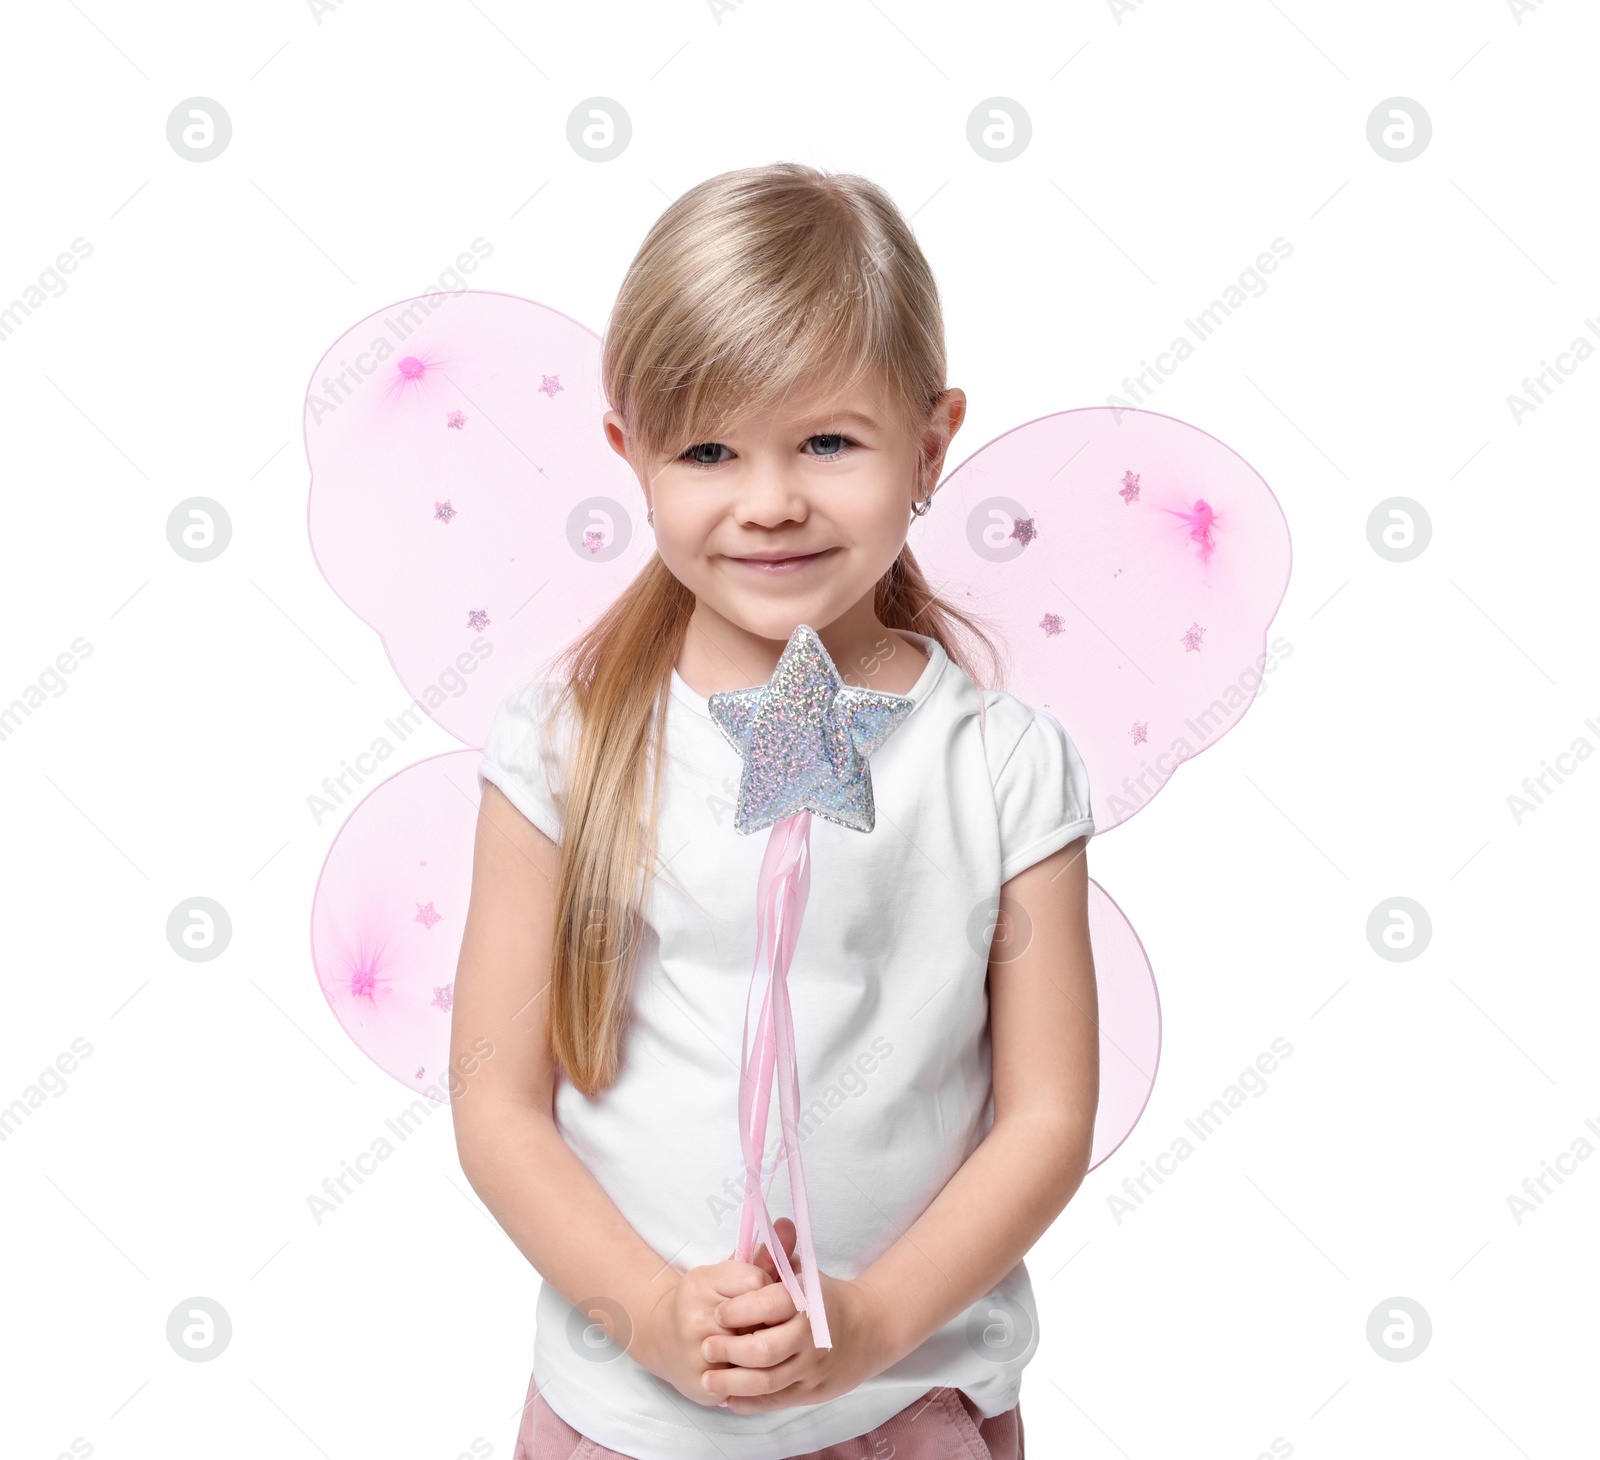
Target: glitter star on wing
(805,738)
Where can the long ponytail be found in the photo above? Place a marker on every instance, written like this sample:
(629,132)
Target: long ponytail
(617,678)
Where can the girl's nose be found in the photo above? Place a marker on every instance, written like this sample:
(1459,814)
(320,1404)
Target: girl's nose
(768,497)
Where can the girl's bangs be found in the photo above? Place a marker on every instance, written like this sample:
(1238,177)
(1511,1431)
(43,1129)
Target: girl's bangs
(746,379)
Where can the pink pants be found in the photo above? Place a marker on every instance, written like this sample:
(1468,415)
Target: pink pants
(942,1425)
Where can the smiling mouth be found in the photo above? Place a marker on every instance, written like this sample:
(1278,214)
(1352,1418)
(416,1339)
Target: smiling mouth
(787,564)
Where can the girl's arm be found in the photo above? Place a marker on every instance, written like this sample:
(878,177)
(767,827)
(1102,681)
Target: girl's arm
(544,1197)
(1044,1028)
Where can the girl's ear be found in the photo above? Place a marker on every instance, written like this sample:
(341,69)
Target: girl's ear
(616,433)
(944,421)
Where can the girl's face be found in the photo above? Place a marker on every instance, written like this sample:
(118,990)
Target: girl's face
(794,519)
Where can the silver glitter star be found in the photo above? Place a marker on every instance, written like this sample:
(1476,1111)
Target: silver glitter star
(805,737)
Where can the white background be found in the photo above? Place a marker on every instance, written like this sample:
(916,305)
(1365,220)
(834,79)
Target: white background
(1170,146)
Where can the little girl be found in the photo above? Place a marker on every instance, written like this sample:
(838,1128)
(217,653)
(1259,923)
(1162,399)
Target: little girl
(776,365)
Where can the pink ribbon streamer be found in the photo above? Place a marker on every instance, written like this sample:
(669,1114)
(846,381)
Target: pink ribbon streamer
(781,896)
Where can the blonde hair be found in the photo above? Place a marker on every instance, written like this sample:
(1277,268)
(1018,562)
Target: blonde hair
(753,284)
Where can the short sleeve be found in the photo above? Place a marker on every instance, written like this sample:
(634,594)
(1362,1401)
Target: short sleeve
(523,754)
(1041,787)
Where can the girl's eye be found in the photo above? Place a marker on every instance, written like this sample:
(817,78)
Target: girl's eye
(830,448)
(695,455)
(833,446)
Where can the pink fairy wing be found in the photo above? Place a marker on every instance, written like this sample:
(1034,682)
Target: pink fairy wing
(1129,566)
(388,912)
(1130,1024)
(465,505)
(464,502)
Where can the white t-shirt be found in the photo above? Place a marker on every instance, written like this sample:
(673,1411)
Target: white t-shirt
(888,986)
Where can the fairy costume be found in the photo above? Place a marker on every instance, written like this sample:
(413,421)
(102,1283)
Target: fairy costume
(1129,565)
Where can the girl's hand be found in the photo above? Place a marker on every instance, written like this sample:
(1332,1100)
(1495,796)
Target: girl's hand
(669,1344)
(761,1356)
